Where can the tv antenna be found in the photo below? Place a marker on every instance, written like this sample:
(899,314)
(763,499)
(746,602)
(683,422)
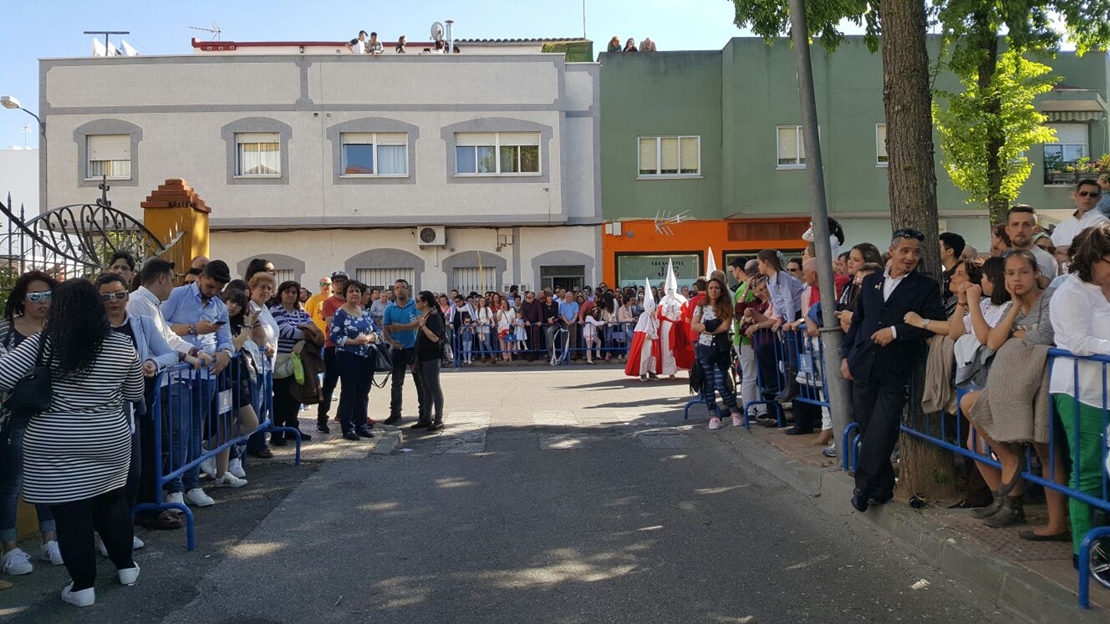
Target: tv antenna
(215,30)
(664,221)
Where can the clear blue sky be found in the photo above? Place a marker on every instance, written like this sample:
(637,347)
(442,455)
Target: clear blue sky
(49,28)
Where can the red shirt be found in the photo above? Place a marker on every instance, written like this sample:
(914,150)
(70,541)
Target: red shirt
(328,309)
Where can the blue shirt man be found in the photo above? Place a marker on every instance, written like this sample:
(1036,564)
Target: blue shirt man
(568,309)
(196,314)
(399,327)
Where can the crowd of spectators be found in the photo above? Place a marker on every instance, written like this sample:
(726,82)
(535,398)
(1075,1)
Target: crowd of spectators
(368,43)
(647,45)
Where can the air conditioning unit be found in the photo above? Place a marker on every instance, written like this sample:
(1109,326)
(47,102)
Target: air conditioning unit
(431,235)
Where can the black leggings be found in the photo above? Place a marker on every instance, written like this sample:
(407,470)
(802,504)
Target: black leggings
(109,515)
(433,393)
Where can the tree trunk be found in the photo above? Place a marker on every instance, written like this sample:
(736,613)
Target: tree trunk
(907,100)
(992,106)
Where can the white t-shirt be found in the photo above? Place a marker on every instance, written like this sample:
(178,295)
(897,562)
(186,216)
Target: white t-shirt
(707,314)
(1068,228)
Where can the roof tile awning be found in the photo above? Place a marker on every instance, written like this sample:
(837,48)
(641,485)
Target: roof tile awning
(1071,104)
(1058,116)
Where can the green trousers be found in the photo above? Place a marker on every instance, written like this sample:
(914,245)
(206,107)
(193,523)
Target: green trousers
(1088,479)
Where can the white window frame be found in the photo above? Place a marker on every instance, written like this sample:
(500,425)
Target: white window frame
(387,276)
(799,149)
(240,142)
(393,139)
(497,144)
(882,158)
(658,175)
(126,139)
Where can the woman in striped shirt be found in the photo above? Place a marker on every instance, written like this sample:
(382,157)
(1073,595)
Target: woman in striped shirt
(294,324)
(76,454)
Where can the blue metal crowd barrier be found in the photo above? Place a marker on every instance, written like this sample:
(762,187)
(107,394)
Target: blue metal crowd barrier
(920,429)
(767,348)
(468,342)
(191,407)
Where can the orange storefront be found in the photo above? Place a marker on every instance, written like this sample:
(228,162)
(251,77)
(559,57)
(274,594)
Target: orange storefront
(637,249)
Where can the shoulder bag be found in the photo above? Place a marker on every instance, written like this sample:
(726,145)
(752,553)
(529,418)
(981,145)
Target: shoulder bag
(32,394)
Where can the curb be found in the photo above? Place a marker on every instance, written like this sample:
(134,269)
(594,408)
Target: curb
(389,442)
(1020,592)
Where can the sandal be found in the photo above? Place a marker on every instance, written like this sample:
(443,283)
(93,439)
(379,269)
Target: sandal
(165,521)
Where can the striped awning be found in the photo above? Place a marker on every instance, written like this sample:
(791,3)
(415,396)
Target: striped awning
(1081,116)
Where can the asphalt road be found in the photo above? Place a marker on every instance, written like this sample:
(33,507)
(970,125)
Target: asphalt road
(564,496)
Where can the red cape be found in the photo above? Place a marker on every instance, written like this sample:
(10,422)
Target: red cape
(632,366)
(680,344)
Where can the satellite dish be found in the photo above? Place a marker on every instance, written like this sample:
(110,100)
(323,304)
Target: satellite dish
(112,50)
(437,32)
(127,49)
(98,48)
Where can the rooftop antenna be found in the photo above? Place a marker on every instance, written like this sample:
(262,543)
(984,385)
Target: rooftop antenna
(215,30)
(107,44)
(26,129)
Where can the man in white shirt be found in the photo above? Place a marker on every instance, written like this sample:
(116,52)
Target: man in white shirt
(1086,196)
(1021,220)
(358,44)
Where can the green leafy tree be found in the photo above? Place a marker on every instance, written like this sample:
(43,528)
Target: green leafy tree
(985,130)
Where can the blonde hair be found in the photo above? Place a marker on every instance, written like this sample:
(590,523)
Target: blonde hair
(262,276)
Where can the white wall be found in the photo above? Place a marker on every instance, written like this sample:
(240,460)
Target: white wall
(19,176)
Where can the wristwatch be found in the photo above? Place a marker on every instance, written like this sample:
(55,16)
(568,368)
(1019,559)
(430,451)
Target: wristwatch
(925,323)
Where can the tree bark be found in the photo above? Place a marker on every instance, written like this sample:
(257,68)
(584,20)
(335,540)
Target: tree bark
(907,100)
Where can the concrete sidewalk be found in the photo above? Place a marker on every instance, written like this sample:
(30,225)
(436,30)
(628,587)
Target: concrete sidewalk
(1033,579)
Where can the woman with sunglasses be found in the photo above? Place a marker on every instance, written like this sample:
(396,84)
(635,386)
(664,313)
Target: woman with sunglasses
(154,353)
(24,316)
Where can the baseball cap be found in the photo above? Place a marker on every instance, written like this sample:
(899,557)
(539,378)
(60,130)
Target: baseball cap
(340,275)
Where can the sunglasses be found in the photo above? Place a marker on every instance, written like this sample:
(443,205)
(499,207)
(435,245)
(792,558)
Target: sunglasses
(118,296)
(1088,193)
(910,233)
(794,270)
(35,297)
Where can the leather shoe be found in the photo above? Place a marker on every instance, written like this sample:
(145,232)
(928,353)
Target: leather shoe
(364,432)
(421,425)
(796,431)
(859,500)
(392,420)
(263,454)
(878,499)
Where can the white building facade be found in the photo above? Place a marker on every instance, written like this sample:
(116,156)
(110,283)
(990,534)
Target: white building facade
(472,172)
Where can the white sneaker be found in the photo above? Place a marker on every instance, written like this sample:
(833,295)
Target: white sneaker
(737,420)
(229,480)
(83,598)
(208,467)
(714,423)
(235,467)
(175,498)
(196,496)
(51,553)
(128,576)
(136,543)
(16,562)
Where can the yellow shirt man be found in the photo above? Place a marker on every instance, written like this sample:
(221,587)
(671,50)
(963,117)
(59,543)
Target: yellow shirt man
(314,305)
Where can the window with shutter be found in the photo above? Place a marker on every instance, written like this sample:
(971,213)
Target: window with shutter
(258,155)
(374,154)
(669,156)
(109,155)
(505,153)
(384,278)
(880,145)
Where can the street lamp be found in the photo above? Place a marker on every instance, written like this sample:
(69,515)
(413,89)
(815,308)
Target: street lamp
(12,103)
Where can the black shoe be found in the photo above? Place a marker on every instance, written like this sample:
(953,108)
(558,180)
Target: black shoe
(351,435)
(305,437)
(859,500)
(278,439)
(421,425)
(364,432)
(392,420)
(323,428)
(878,499)
(768,422)
(435,427)
(263,454)
(797,431)
(789,392)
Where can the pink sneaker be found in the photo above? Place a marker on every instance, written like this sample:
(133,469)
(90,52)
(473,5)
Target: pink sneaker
(737,420)
(714,423)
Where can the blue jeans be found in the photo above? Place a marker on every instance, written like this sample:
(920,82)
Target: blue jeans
(11,480)
(183,415)
(714,370)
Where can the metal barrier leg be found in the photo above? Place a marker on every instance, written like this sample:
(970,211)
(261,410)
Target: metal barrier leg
(844,454)
(856,441)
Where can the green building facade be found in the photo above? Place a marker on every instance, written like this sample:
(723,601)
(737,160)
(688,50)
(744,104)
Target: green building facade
(739,106)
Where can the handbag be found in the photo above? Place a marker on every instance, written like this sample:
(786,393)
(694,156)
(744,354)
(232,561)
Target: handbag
(283,366)
(33,393)
(383,357)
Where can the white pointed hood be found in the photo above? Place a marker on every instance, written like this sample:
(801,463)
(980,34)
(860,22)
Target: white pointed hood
(710,263)
(671,285)
(649,299)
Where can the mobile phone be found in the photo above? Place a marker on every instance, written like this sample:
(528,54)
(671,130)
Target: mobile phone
(218,323)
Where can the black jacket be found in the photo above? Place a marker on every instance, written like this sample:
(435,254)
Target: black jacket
(916,293)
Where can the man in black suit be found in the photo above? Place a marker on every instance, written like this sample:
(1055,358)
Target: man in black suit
(879,354)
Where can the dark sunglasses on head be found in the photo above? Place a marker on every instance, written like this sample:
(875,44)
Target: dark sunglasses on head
(35,297)
(910,233)
(118,296)
(1088,193)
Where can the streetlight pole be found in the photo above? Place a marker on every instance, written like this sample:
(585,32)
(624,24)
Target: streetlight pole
(12,103)
(831,335)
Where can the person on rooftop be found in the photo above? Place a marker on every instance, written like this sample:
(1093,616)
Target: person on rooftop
(358,44)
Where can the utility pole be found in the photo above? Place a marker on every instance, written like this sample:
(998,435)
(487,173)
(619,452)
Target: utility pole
(831,335)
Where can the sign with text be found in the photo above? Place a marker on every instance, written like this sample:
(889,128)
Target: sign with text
(632,269)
